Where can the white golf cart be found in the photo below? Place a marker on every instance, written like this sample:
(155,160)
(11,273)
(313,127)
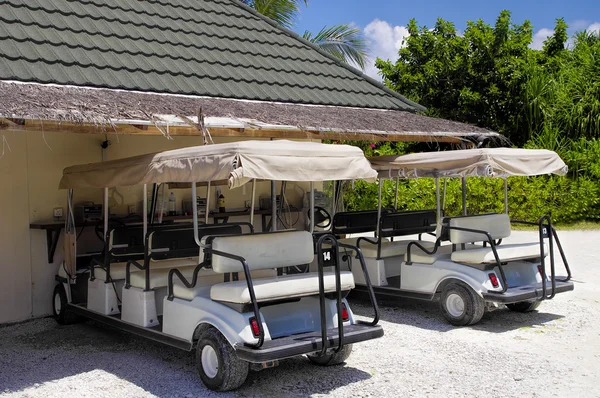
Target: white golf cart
(469,264)
(217,288)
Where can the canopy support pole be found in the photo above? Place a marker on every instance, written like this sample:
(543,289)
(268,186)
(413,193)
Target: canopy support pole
(444,196)
(312,207)
(437,200)
(396,201)
(273,206)
(195,212)
(252,201)
(464,195)
(207,202)
(505,195)
(145,210)
(153,203)
(379,207)
(105,212)
(162,203)
(333,202)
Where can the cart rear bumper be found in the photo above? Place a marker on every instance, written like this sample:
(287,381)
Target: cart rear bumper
(306,343)
(527,293)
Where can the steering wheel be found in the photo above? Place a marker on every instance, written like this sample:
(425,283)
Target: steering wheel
(322,217)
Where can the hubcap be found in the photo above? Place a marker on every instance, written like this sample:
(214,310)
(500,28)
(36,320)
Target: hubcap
(57,304)
(210,362)
(455,305)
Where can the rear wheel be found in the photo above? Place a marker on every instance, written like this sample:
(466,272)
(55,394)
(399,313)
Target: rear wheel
(332,359)
(59,307)
(219,368)
(524,306)
(461,305)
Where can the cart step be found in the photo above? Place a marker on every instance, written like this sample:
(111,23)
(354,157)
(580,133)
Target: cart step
(306,343)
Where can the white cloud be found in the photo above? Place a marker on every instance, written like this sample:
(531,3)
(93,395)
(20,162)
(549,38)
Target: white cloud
(578,24)
(539,37)
(384,42)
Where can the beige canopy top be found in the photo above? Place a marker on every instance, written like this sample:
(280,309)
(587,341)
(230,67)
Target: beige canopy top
(237,163)
(483,162)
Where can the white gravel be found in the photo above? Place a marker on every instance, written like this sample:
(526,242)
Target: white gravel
(552,352)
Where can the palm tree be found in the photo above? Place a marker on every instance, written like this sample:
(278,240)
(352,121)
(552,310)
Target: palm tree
(345,42)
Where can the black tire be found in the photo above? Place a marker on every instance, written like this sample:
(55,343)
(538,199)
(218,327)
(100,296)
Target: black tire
(473,305)
(231,371)
(524,306)
(332,359)
(59,307)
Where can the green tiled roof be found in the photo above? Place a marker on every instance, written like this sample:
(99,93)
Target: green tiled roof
(214,48)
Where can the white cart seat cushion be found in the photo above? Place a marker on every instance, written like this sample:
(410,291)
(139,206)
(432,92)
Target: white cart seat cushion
(497,225)
(282,287)
(117,270)
(263,251)
(506,252)
(185,293)
(419,256)
(390,249)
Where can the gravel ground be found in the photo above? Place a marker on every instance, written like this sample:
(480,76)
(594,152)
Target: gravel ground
(551,352)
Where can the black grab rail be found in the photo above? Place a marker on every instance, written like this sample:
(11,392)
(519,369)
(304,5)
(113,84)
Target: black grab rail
(242,260)
(336,245)
(338,290)
(546,230)
(492,243)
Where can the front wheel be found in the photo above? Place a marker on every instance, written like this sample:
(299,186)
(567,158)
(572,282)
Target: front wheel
(332,359)
(461,305)
(59,307)
(218,366)
(524,306)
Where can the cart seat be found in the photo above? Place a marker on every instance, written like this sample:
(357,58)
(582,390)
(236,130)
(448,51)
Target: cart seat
(282,287)
(182,292)
(390,249)
(268,251)
(117,270)
(159,277)
(419,256)
(506,253)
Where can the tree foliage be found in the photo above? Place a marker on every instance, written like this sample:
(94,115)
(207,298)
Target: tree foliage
(489,76)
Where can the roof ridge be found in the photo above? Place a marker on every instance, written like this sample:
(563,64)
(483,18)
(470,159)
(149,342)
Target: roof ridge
(170,56)
(294,35)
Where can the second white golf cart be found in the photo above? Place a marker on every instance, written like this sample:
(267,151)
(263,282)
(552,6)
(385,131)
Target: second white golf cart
(468,265)
(213,287)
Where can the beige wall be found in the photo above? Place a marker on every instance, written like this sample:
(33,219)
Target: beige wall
(29,177)
(15,284)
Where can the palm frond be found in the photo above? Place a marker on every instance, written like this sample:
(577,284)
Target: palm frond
(283,12)
(344,42)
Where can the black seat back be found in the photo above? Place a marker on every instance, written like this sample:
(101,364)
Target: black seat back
(353,222)
(127,243)
(180,243)
(407,223)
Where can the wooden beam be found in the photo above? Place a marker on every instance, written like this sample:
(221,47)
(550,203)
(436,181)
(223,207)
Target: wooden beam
(183,130)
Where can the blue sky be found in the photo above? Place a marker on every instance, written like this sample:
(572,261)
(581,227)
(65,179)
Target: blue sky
(383,21)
